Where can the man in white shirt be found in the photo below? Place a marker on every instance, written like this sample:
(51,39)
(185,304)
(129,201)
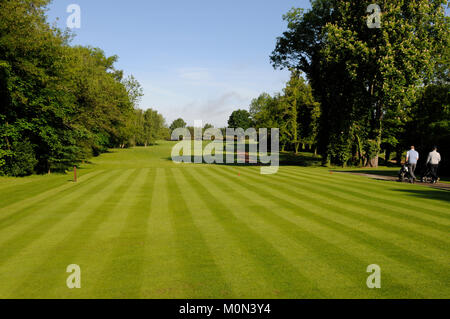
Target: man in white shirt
(434,158)
(411,160)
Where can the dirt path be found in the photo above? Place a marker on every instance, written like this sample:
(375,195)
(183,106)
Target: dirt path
(441,186)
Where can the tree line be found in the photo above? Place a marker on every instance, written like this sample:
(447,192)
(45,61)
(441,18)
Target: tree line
(181,124)
(62,104)
(294,111)
(367,91)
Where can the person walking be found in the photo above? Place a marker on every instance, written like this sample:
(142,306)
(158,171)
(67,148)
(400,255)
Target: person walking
(412,157)
(434,158)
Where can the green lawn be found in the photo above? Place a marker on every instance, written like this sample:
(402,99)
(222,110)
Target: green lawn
(388,171)
(141,226)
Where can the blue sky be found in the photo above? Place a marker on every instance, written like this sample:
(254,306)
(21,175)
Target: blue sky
(197,59)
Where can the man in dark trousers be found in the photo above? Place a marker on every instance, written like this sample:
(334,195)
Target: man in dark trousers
(434,158)
(411,160)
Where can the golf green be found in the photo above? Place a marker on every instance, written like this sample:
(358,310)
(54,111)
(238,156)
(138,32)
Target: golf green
(141,226)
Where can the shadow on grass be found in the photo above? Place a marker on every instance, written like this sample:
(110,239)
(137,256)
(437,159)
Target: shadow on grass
(373,172)
(390,173)
(188,160)
(435,194)
(286,159)
(301,159)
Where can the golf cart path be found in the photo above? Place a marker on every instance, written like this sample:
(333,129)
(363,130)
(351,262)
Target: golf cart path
(441,186)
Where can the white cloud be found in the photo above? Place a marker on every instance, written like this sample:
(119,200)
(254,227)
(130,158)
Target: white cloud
(207,94)
(194,74)
(215,110)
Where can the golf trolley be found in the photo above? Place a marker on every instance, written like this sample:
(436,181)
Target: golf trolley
(404,175)
(427,177)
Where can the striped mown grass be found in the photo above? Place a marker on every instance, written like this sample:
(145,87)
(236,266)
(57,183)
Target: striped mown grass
(141,226)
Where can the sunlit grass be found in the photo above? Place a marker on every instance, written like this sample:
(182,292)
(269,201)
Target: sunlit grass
(141,226)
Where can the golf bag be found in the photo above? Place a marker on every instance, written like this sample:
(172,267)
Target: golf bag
(404,175)
(427,177)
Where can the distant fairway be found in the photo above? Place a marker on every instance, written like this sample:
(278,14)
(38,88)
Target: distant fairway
(141,226)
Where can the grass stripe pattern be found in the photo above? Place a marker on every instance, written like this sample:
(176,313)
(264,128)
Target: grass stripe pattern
(141,226)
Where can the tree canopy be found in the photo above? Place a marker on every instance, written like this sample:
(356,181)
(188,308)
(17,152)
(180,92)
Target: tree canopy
(178,123)
(294,111)
(366,79)
(240,119)
(61,104)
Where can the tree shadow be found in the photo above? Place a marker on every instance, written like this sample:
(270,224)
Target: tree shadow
(301,159)
(389,173)
(373,172)
(434,194)
(286,159)
(191,160)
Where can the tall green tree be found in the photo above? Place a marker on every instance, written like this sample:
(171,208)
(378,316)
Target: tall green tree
(299,113)
(308,114)
(264,111)
(295,112)
(134,90)
(365,79)
(178,123)
(59,104)
(153,126)
(240,119)
(288,113)
(104,105)
(35,105)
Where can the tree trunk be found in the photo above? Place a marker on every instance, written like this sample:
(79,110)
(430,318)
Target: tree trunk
(398,156)
(388,155)
(373,162)
(7,140)
(360,151)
